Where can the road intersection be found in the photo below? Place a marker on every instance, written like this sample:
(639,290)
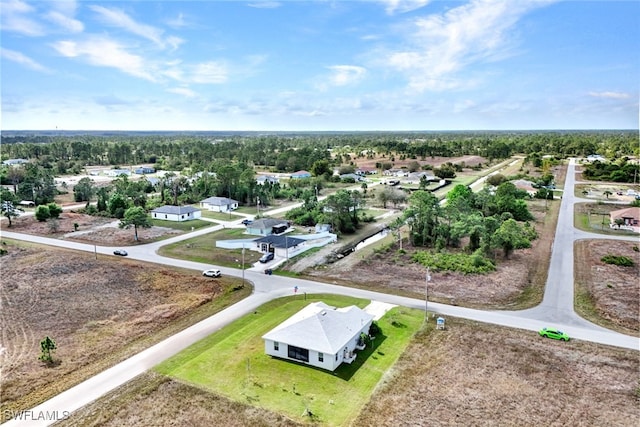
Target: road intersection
(555,310)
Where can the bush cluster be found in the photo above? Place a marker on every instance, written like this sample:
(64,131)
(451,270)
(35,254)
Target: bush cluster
(468,264)
(620,260)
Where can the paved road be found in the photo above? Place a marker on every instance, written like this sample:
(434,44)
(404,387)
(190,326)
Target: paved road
(557,303)
(556,308)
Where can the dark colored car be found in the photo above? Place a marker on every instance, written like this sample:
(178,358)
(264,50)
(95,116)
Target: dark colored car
(266,257)
(246,221)
(120,252)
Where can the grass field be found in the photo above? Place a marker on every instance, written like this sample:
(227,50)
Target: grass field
(250,376)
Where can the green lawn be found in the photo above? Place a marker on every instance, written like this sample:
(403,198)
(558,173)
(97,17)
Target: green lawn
(232,363)
(183,225)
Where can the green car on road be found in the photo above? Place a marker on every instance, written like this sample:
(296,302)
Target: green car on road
(556,334)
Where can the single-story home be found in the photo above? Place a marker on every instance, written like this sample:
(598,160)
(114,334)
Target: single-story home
(300,175)
(267,226)
(11,162)
(364,170)
(525,185)
(281,246)
(176,213)
(118,172)
(628,218)
(219,204)
(320,335)
(355,177)
(264,179)
(143,170)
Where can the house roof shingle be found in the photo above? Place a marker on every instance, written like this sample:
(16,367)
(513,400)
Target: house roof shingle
(320,327)
(175,210)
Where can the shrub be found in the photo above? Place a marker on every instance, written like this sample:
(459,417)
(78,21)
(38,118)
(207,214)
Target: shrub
(475,263)
(42,213)
(620,260)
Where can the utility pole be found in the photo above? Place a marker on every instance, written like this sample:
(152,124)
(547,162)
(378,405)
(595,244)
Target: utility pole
(243,264)
(426,294)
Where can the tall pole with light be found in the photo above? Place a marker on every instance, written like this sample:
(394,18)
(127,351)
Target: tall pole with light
(426,294)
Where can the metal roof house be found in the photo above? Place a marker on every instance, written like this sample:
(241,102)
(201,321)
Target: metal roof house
(176,213)
(219,204)
(320,335)
(267,226)
(300,175)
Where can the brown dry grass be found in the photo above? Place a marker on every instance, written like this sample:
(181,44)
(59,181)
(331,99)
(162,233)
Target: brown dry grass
(612,292)
(471,374)
(99,312)
(480,375)
(155,400)
(91,229)
(518,281)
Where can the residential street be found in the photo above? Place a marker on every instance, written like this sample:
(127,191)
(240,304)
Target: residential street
(555,310)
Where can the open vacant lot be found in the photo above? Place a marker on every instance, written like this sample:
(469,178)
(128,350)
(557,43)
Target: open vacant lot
(608,294)
(99,312)
(469,374)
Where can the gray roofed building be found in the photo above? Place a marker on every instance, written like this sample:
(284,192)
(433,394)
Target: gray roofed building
(320,335)
(176,213)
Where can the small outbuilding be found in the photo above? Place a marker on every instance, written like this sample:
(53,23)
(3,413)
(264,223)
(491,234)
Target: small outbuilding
(320,335)
(267,227)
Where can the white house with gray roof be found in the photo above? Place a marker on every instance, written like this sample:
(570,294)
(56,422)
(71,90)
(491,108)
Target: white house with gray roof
(176,213)
(219,204)
(320,335)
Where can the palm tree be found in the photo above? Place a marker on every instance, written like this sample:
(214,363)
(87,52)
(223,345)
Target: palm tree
(607,193)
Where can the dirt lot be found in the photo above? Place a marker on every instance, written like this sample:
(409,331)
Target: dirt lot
(98,311)
(480,375)
(612,290)
(91,229)
(394,272)
(468,375)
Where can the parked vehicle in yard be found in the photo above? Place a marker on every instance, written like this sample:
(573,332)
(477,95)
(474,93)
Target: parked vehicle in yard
(266,257)
(555,334)
(212,273)
(120,252)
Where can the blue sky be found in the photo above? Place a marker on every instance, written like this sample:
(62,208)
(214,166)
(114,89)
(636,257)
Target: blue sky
(319,65)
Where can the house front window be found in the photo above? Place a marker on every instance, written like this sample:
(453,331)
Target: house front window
(320,357)
(276,346)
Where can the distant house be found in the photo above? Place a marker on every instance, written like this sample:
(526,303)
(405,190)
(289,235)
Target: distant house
(363,170)
(266,179)
(176,213)
(153,181)
(281,246)
(12,162)
(628,218)
(219,204)
(267,227)
(525,185)
(595,157)
(144,170)
(300,175)
(351,176)
(118,172)
(321,228)
(320,335)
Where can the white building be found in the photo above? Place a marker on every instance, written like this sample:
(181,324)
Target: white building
(219,204)
(176,213)
(320,335)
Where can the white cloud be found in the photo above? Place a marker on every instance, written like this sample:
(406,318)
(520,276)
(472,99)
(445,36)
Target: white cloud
(402,6)
(14,18)
(209,73)
(346,74)
(442,45)
(20,58)
(182,91)
(69,24)
(118,18)
(265,4)
(104,52)
(611,95)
